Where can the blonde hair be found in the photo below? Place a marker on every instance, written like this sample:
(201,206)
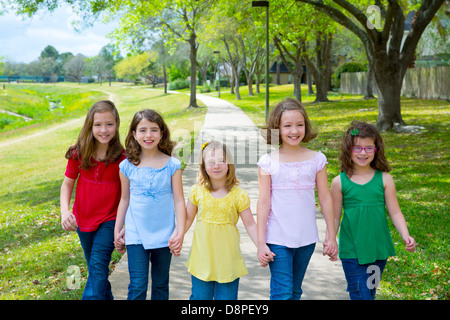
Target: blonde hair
(202,175)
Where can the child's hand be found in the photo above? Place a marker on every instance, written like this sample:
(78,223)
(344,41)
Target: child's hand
(410,244)
(175,243)
(265,255)
(68,221)
(119,241)
(330,248)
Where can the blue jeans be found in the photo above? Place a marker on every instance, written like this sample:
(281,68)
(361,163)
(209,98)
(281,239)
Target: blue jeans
(362,279)
(98,246)
(288,270)
(138,266)
(209,290)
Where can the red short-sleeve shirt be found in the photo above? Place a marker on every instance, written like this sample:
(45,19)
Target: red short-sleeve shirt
(97,194)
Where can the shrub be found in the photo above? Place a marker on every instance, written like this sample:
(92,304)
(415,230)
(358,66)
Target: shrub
(350,67)
(179,84)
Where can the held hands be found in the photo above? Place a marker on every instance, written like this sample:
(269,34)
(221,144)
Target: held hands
(331,249)
(119,241)
(265,255)
(175,243)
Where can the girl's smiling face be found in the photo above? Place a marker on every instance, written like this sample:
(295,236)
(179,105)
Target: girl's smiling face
(215,165)
(363,159)
(104,126)
(292,127)
(147,134)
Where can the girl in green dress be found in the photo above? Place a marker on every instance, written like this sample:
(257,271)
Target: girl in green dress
(364,189)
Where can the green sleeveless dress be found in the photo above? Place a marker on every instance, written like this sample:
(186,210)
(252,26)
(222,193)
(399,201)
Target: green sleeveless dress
(364,233)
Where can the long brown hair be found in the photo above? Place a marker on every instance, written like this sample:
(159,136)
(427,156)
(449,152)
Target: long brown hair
(362,130)
(85,145)
(273,123)
(132,146)
(203,177)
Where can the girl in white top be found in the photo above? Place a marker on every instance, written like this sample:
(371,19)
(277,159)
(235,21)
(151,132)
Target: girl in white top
(287,231)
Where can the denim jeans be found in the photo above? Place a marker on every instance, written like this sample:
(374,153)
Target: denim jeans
(138,266)
(362,279)
(209,290)
(288,270)
(98,246)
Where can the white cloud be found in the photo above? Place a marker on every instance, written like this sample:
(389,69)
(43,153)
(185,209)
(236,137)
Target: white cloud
(22,40)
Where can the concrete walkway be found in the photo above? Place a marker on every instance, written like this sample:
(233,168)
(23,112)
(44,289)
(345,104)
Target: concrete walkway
(225,122)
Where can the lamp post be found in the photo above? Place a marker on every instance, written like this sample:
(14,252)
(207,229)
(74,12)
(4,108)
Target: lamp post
(265,4)
(218,70)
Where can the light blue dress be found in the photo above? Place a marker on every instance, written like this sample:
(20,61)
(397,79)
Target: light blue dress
(150,218)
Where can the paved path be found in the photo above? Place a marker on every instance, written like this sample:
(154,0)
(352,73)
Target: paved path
(225,122)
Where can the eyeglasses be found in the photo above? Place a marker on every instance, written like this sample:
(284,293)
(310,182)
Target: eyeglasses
(358,149)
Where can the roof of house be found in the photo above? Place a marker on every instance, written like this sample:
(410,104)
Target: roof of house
(283,68)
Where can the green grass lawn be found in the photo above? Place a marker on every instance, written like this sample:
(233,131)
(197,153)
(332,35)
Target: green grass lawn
(420,168)
(35,252)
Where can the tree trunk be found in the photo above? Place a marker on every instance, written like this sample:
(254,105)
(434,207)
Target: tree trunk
(309,81)
(389,84)
(250,85)
(236,70)
(236,81)
(165,77)
(297,78)
(278,71)
(193,58)
(232,84)
(258,82)
(369,86)
(321,69)
(297,71)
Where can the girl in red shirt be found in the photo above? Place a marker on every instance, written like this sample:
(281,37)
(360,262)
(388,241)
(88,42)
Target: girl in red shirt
(94,161)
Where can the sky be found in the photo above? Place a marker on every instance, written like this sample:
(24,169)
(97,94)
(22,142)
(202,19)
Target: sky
(23,39)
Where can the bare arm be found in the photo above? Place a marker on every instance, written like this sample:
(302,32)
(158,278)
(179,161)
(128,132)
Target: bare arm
(336,196)
(191,211)
(263,210)
(249,224)
(326,205)
(176,240)
(119,235)
(395,213)
(68,220)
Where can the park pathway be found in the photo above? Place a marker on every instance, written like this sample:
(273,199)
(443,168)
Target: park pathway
(225,122)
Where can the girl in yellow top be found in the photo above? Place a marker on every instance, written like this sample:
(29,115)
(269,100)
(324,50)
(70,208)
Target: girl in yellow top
(215,261)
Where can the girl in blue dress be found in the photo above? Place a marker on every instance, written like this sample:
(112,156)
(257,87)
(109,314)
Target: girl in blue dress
(152,206)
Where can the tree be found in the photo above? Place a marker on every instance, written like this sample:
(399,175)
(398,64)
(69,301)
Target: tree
(388,52)
(50,63)
(179,19)
(97,66)
(132,67)
(50,52)
(320,65)
(108,55)
(205,60)
(163,56)
(47,67)
(9,69)
(75,67)
(291,53)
